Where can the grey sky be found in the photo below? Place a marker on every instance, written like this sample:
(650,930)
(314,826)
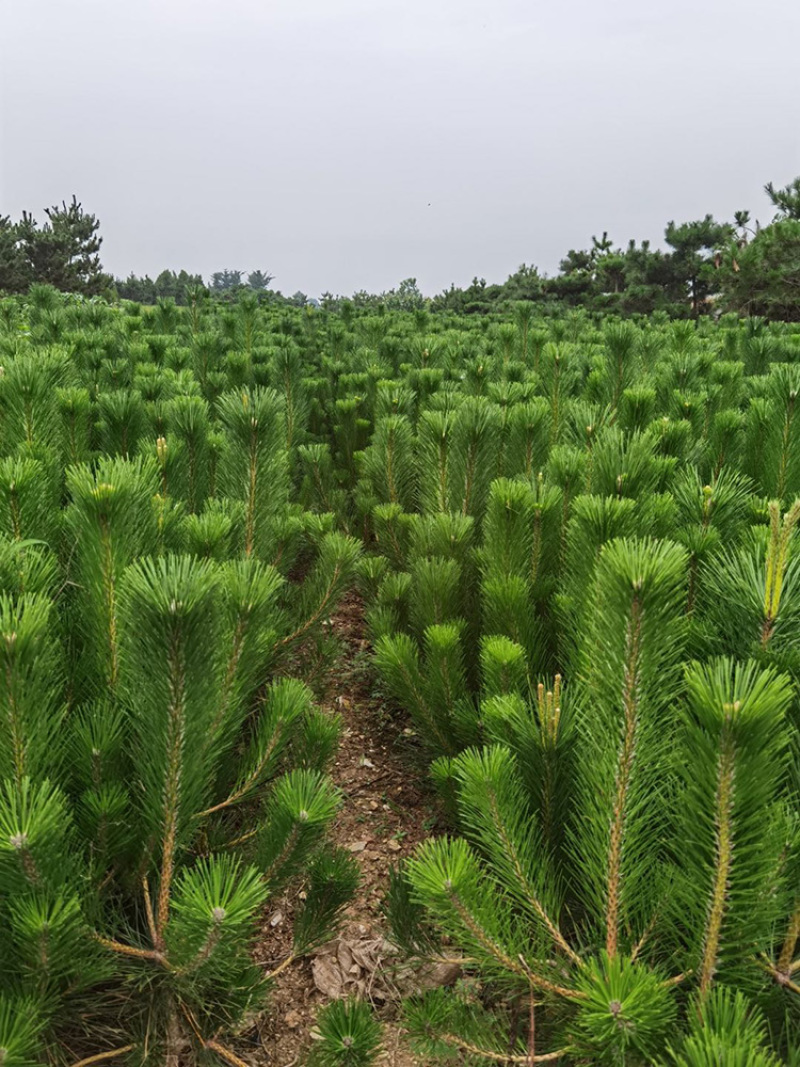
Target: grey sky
(347,144)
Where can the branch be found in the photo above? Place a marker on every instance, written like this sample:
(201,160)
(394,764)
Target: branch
(499,1057)
(724,835)
(148,907)
(248,783)
(281,967)
(213,1045)
(785,965)
(624,773)
(129,950)
(306,626)
(780,977)
(101,1056)
(496,951)
(529,891)
(225,1053)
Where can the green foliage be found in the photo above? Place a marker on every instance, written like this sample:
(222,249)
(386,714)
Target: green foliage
(575,539)
(254,467)
(761,278)
(348,1036)
(63,252)
(153,576)
(625,1014)
(725,1030)
(733,829)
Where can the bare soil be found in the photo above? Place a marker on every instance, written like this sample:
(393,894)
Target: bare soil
(384,816)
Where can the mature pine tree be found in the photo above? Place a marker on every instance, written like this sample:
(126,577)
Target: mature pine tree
(64,252)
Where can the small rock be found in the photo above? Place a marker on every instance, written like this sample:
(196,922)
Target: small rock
(364,762)
(276,919)
(357,846)
(394,845)
(293,1019)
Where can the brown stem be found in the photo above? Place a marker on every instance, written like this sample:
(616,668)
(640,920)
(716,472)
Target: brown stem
(469,481)
(511,852)
(225,1053)
(148,907)
(443,474)
(111,603)
(173,1040)
(536,551)
(781,978)
(496,951)
(251,497)
(230,676)
(100,1057)
(246,785)
(498,1057)
(532,1030)
(172,788)
(15,727)
(129,950)
(790,942)
(281,967)
(724,811)
(624,771)
(213,1045)
(390,471)
(637,948)
(785,449)
(317,614)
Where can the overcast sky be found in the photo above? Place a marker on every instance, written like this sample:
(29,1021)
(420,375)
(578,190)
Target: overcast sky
(348,144)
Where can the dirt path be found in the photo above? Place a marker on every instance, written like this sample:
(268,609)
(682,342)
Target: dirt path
(384,816)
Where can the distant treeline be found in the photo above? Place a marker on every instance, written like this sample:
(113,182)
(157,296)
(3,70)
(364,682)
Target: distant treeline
(706,266)
(176,285)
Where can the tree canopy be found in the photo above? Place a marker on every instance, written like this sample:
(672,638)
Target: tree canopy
(63,252)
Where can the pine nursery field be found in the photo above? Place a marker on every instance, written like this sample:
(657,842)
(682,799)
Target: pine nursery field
(573,542)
